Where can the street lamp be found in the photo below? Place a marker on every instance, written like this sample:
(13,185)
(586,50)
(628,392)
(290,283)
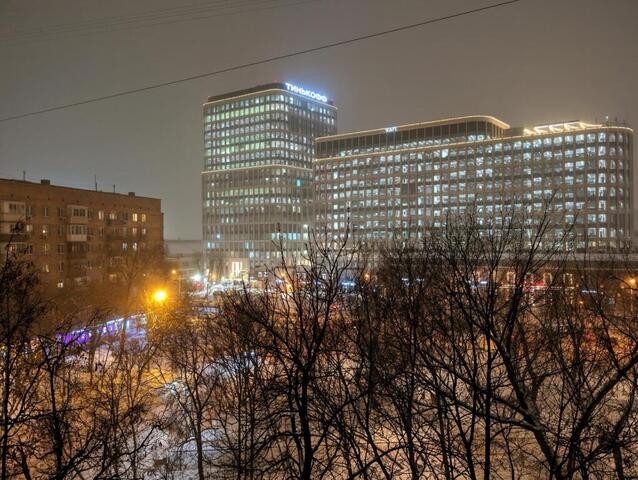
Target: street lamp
(160,296)
(156,310)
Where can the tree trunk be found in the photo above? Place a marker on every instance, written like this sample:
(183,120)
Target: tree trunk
(308,456)
(488,409)
(5,408)
(197,431)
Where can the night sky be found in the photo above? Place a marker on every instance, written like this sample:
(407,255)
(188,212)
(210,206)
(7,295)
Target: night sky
(537,61)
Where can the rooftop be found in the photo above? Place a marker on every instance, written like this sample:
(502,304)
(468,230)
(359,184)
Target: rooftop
(545,129)
(414,126)
(45,183)
(284,86)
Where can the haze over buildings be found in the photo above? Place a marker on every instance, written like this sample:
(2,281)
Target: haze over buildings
(532,62)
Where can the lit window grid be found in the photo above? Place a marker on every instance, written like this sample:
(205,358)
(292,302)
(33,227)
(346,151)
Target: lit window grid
(441,132)
(237,202)
(258,178)
(257,131)
(402,192)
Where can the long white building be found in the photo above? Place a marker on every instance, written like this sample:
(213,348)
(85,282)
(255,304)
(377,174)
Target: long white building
(398,181)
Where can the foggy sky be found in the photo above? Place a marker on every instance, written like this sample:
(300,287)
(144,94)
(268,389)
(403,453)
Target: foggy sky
(534,62)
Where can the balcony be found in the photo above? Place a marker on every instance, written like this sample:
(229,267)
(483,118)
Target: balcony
(76,237)
(8,231)
(17,248)
(78,220)
(13,237)
(78,214)
(12,212)
(12,217)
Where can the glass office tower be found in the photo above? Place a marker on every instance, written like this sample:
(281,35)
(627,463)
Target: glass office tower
(258,182)
(397,182)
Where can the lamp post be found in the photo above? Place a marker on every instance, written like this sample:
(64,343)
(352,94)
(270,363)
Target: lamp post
(177,278)
(156,301)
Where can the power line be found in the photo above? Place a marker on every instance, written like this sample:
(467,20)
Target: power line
(134,22)
(109,20)
(261,62)
(97,21)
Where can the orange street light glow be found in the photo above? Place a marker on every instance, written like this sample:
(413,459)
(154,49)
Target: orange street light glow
(160,295)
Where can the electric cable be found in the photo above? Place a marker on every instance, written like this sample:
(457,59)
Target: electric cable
(260,62)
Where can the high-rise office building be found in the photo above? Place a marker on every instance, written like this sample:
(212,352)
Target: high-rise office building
(398,181)
(258,178)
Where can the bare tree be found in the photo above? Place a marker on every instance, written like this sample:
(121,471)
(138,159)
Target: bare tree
(60,418)
(130,403)
(21,315)
(240,405)
(185,367)
(68,431)
(295,320)
(524,372)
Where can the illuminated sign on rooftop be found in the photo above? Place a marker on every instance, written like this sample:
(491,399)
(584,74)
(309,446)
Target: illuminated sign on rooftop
(391,129)
(559,127)
(306,93)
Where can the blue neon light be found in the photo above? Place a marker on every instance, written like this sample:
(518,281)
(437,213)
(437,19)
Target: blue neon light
(306,93)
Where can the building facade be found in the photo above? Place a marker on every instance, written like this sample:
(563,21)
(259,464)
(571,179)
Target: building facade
(396,182)
(185,258)
(76,236)
(257,182)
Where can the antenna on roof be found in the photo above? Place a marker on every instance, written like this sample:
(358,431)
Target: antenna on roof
(95,181)
(24,175)
(113,188)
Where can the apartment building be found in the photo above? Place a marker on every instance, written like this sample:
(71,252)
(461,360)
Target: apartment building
(76,236)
